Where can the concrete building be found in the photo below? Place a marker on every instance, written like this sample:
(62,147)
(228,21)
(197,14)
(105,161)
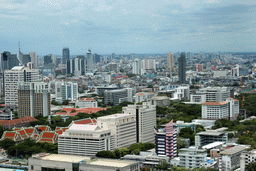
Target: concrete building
(12,78)
(182,68)
(122,126)
(85,140)
(102,89)
(65,55)
(33,56)
(182,93)
(8,61)
(137,67)
(161,101)
(166,141)
(90,63)
(145,121)
(192,157)
(228,109)
(230,158)
(115,97)
(143,96)
(170,62)
(218,74)
(66,91)
(246,158)
(86,102)
(46,161)
(215,94)
(33,99)
(209,136)
(113,67)
(199,67)
(197,98)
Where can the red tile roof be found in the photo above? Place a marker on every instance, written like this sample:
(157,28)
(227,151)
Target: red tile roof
(25,119)
(47,135)
(10,134)
(88,110)
(86,121)
(214,103)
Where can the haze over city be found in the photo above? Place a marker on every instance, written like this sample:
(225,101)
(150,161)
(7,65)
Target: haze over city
(46,26)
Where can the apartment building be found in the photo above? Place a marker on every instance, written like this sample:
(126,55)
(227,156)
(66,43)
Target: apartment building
(66,91)
(230,158)
(192,157)
(86,102)
(166,141)
(85,140)
(145,121)
(209,136)
(33,99)
(215,94)
(115,97)
(11,79)
(122,126)
(143,96)
(228,109)
(246,158)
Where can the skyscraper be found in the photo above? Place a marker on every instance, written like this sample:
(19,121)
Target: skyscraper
(137,67)
(182,68)
(65,55)
(47,59)
(170,62)
(8,61)
(33,56)
(90,63)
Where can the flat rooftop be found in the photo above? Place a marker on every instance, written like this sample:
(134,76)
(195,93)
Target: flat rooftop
(65,158)
(210,133)
(111,163)
(212,145)
(234,150)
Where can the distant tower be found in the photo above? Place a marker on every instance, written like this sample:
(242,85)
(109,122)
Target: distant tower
(182,68)
(170,62)
(90,64)
(33,56)
(65,55)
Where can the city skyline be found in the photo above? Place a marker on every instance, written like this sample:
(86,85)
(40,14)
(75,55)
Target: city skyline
(121,27)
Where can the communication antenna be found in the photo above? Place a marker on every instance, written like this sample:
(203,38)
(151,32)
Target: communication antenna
(21,64)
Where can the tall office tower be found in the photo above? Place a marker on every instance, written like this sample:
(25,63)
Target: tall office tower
(12,78)
(90,63)
(24,59)
(112,56)
(8,61)
(66,91)
(54,59)
(113,67)
(65,55)
(122,126)
(137,67)
(33,99)
(145,121)
(47,59)
(33,56)
(70,66)
(96,58)
(170,62)
(182,68)
(166,141)
(132,56)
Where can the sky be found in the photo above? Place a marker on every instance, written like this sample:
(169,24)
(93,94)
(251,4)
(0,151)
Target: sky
(127,26)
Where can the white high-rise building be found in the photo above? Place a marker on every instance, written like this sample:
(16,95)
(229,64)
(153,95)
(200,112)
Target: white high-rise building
(33,56)
(137,67)
(122,126)
(12,78)
(66,91)
(149,64)
(145,121)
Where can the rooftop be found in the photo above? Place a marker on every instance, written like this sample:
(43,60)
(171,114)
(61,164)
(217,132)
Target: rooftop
(234,150)
(111,163)
(212,145)
(65,158)
(215,103)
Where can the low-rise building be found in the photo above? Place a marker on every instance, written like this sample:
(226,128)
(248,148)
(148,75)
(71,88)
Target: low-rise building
(115,97)
(46,161)
(230,158)
(192,157)
(143,96)
(86,102)
(161,101)
(85,140)
(209,136)
(246,158)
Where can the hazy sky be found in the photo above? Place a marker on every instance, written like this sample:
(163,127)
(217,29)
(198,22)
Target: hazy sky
(127,26)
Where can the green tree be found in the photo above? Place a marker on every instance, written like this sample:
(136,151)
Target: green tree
(1,130)
(251,167)
(54,102)
(136,152)
(65,102)
(117,153)
(15,113)
(105,154)
(6,143)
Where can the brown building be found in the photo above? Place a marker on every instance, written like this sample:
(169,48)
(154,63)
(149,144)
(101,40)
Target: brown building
(33,99)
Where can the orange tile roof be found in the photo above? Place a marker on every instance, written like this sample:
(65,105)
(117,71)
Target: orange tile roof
(214,103)
(86,121)
(236,100)
(25,119)
(86,99)
(88,110)
(141,94)
(10,134)
(47,135)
